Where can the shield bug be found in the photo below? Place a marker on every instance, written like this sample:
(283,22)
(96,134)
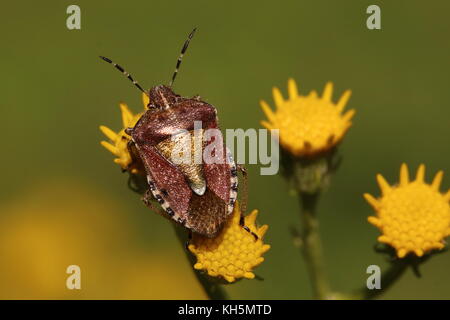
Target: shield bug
(199,196)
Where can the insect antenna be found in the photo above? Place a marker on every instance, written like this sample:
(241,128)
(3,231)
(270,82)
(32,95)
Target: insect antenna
(183,50)
(125,73)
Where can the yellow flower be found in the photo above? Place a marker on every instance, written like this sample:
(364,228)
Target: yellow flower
(309,125)
(41,235)
(412,216)
(234,252)
(119,141)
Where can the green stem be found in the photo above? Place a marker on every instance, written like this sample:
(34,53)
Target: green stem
(213,290)
(312,245)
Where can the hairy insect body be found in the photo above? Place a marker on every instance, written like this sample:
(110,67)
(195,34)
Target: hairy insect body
(199,196)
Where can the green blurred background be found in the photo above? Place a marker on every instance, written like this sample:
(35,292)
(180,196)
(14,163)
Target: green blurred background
(63,200)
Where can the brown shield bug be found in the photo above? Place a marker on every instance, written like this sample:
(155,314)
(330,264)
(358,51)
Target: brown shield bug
(199,196)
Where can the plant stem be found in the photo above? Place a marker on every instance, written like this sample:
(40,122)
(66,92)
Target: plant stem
(213,290)
(312,245)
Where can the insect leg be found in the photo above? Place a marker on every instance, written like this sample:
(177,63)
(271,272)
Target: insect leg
(244,200)
(136,161)
(132,150)
(137,183)
(188,240)
(242,224)
(244,195)
(147,199)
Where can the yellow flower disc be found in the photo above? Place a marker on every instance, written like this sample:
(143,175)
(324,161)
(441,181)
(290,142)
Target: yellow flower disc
(308,125)
(412,216)
(118,144)
(234,252)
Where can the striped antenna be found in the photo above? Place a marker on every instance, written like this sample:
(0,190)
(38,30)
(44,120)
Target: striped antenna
(183,50)
(125,73)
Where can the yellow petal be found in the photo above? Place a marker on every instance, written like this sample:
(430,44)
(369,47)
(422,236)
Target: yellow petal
(401,253)
(266,247)
(420,173)
(348,115)
(347,125)
(384,239)
(251,218)
(108,133)
(437,180)
(119,161)
(328,91)
(372,201)
(313,94)
(374,220)
(292,89)
(197,266)
(249,275)
(439,245)
(277,97)
(343,100)
(382,183)
(110,148)
(267,111)
(404,175)
(145,100)
(447,195)
(229,278)
(267,125)
(127,116)
(262,231)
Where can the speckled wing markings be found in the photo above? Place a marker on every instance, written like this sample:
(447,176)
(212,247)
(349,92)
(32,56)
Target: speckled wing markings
(207,213)
(220,197)
(218,176)
(167,183)
(222,177)
(205,210)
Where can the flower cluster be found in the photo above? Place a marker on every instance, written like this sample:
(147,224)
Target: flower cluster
(234,252)
(118,144)
(308,125)
(412,216)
